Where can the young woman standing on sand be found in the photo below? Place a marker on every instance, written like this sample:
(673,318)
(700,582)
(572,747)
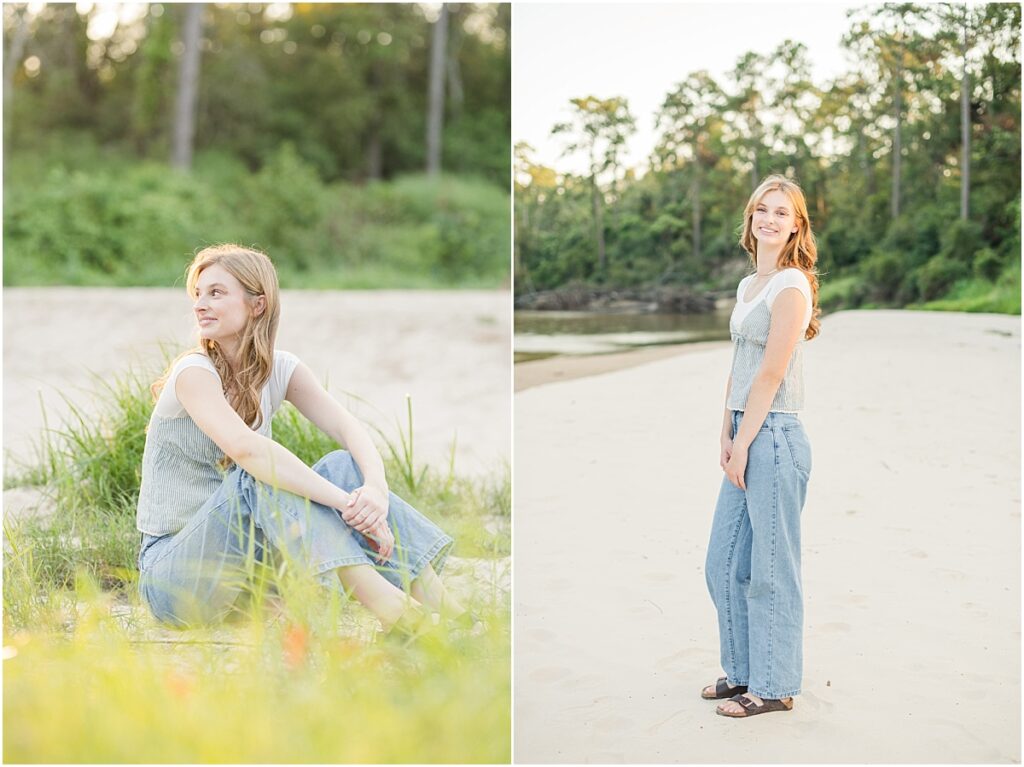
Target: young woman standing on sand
(216,486)
(753,560)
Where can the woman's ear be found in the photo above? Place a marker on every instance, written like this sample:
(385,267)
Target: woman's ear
(259,305)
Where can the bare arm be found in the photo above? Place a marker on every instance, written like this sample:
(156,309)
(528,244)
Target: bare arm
(200,394)
(727,419)
(786,329)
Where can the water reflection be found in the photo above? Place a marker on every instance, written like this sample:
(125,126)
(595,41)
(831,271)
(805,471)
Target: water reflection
(540,334)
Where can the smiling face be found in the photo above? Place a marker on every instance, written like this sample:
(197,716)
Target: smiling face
(773,221)
(222,306)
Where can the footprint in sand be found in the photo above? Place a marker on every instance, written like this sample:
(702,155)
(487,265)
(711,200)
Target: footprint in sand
(659,576)
(580,681)
(613,723)
(688,653)
(605,757)
(541,635)
(858,600)
(975,608)
(549,674)
(816,703)
(835,628)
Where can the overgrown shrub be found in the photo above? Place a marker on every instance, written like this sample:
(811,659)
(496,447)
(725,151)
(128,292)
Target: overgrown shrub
(883,271)
(938,276)
(987,264)
(960,242)
(108,220)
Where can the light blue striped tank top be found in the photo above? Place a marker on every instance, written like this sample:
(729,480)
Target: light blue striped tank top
(749,327)
(180,469)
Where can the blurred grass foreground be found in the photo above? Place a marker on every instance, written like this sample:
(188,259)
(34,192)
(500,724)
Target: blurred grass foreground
(299,675)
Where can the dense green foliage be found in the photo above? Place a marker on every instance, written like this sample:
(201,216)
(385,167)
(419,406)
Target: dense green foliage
(877,152)
(82,216)
(345,83)
(309,143)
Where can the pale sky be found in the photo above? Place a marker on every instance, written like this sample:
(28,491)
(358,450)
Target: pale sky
(641,51)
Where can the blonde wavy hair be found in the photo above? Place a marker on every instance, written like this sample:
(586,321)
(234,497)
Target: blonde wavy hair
(242,387)
(801,251)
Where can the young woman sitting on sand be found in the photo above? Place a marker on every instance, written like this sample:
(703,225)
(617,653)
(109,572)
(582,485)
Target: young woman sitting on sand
(216,486)
(753,560)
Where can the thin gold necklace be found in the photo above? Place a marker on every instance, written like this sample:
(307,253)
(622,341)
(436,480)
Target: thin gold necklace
(767,273)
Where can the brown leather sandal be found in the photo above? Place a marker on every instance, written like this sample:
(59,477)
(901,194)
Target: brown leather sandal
(750,708)
(723,690)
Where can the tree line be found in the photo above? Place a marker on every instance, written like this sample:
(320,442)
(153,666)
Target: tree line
(351,86)
(361,145)
(910,163)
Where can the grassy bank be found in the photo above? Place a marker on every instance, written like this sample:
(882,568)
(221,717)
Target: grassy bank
(78,214)
(299,677)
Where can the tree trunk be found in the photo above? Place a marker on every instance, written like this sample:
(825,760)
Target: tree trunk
(435,115)
(897,144)
(15,53)
(456,93)
(374,143)
(696,211)
(188,90)
(602,258)
(965,130)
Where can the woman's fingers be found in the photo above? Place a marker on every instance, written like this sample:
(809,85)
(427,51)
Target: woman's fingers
(370,519)
(385,542)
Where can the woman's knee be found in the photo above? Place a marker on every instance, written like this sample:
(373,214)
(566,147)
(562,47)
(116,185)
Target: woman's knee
(339,467)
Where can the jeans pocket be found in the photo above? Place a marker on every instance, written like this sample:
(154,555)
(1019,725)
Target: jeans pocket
(799,449)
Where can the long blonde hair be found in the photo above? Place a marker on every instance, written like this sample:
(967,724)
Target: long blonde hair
(800,251)
(242,387)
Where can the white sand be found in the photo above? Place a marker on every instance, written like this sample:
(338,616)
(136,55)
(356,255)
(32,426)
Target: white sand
(911,555)
(450,350)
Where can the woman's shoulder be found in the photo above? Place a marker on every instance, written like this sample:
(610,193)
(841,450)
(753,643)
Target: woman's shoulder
(193,359)
(284,365)
(792,277)
(285,362)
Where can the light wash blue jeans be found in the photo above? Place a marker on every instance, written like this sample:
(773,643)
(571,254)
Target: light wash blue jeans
(753,562)
(196,575)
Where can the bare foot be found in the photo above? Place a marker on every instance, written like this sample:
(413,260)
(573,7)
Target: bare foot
(732,707)
(712,689)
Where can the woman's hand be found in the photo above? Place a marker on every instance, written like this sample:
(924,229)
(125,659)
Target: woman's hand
(726,451)
(367,507)
(736,467)
(382,540)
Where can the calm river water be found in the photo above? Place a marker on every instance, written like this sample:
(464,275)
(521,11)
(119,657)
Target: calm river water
(544,334)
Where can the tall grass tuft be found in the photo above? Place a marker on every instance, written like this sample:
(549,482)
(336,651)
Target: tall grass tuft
(91,471)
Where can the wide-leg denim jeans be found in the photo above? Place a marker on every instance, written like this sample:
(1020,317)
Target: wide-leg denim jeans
(196,575)
(753,561)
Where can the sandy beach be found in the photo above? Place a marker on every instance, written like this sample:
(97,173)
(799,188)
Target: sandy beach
(911,554)
(567,367)
(449,350)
